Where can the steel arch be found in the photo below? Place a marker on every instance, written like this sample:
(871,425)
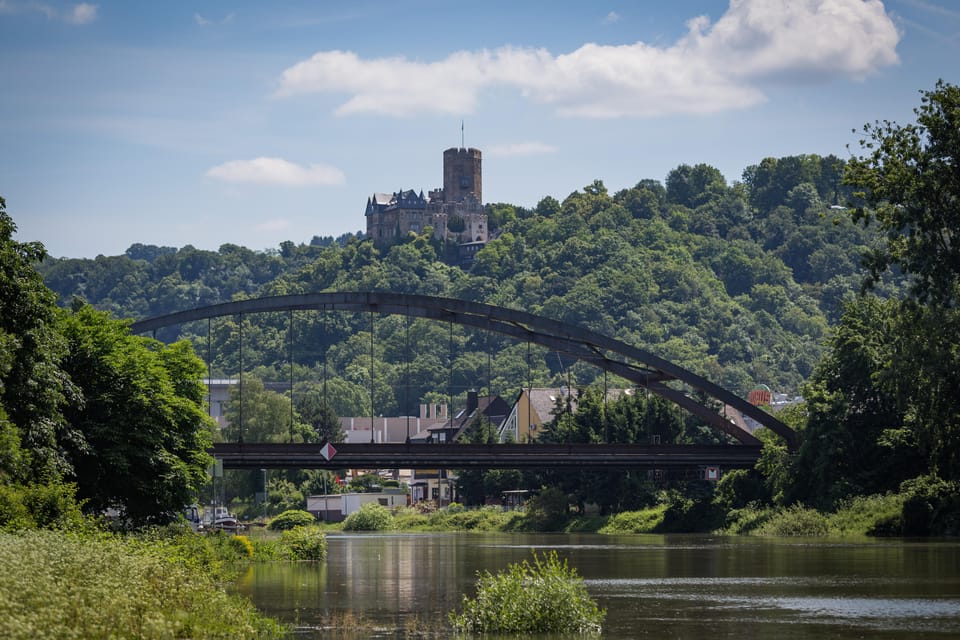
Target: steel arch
(589,346)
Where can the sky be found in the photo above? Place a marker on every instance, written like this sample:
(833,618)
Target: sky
(253,123)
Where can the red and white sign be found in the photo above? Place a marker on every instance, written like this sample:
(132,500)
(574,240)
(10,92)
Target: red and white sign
(712,473)
(327,451)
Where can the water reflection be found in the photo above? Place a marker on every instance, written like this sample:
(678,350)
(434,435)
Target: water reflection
(652,586)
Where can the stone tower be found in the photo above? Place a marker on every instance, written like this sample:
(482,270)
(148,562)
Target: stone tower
(462,175)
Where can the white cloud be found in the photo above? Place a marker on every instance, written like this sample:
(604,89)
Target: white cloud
(204,22)
(713,67)
(612,17)
(276,171)
(519,149)
(83,13)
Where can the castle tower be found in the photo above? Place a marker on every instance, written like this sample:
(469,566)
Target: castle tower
(462,175)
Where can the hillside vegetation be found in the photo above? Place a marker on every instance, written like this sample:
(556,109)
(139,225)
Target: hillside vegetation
(736,282)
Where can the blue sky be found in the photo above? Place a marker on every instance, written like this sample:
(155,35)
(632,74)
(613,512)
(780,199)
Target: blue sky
(204,123)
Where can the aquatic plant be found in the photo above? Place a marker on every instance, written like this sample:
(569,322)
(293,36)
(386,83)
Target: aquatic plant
(545,596)
(305,543)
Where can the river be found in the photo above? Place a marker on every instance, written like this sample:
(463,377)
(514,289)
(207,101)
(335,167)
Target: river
(696,587)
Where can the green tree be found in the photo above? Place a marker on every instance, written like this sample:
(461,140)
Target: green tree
(910,180)
(33,388)
(257,414)
(319,415)
(145,430)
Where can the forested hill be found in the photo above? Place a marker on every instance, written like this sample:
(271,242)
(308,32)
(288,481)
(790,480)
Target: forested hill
(738,282)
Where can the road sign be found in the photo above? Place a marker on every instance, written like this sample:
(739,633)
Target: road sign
(328,451)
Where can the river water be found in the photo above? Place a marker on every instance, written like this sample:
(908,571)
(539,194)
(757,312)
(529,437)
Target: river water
(696,587)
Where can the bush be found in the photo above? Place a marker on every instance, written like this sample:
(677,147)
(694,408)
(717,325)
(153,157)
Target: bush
(290,519)
(305,543)
(242,546)
(543,597)
(931,507)
(40,506)
(370,517)
(686,515)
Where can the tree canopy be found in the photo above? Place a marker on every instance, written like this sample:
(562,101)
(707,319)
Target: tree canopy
(84,401)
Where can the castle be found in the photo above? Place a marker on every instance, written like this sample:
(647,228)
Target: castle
(455,212)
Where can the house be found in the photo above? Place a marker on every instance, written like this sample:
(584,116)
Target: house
(533,408)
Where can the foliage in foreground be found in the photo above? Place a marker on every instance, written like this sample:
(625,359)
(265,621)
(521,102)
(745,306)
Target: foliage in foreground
(546,596)
(56,585)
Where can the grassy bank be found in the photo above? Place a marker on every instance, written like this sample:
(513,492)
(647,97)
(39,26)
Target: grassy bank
(60,585)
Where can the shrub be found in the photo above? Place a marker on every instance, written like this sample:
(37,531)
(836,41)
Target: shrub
(43,506)
(795,521)
(290,519)
(931,507)
(544,597)
(305,543)
(370,517)
(242,545)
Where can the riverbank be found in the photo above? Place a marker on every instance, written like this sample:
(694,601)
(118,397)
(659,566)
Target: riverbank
(881,515)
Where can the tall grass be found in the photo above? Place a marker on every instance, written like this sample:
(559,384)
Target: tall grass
(56,585)
(643,521)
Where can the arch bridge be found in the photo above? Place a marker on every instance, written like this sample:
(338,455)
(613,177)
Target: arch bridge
(639,366)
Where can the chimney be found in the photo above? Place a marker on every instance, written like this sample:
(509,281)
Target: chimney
(472,402)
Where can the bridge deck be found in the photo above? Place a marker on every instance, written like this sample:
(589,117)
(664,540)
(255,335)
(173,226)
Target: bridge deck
(483,456)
